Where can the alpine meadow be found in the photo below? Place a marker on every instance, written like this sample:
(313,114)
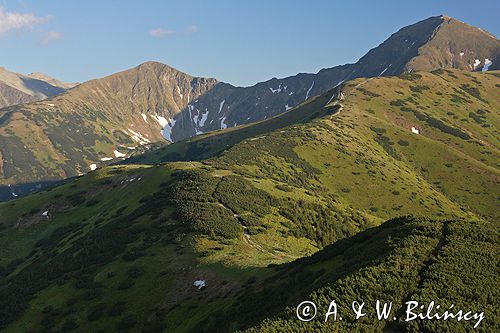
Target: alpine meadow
(152,200)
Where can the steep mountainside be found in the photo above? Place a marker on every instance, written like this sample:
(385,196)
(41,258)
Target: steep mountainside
(437,42)
(19,88)
(97,121)
(420,137)
(109,118)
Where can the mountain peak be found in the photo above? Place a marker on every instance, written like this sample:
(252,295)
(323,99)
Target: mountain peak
(16,88)
(455,44)
(433,43)
(153,64)
(47,78)
(157,66)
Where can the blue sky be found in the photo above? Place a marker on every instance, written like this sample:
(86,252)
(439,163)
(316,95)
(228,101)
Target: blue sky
(240,42)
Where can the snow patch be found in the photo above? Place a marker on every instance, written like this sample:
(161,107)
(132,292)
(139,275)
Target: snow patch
(487,64)
(277,90)
(223,124)
(195,119)
(331,99)
(179,92)
(199,120)
(138,137)
(12,191)
(415,130)
(382,73)
(104,159)
(93,166)
(308,91)
(167,130)
(221,105)
(160,120)
(45,214)
(144,117)
(118,154)
(477,62)
(342,81)
(203,119)
(462,53)
(287,107)
(199,284)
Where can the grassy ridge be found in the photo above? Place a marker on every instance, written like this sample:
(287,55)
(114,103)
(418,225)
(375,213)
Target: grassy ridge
(120,248)
(452,165)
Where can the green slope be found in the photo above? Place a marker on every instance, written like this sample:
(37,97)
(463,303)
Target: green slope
(452,165)
(142,235)
(402,260)
(113,257)
(120,248)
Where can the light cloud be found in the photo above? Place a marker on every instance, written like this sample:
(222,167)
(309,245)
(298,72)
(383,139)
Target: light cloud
(160,32)
(14,21)
(50,37)
(191,29)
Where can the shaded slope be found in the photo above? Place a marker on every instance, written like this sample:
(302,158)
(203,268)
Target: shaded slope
(402,260)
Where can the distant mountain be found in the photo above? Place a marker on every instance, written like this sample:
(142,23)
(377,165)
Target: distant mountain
(94,122)
(18,88)
(437,42)
(121,114)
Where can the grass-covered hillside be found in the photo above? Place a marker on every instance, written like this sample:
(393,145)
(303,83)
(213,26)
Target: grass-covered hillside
(405,259)
(120,250)
(113,248)
(366,154)
(277,212)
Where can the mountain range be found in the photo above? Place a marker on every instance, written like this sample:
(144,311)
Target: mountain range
(110,118)
(377,180)
(306,205)
(18,88)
